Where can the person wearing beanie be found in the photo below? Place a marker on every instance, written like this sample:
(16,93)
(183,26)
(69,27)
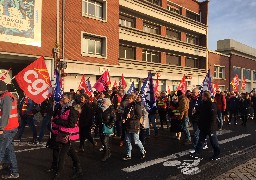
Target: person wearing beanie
(8,129)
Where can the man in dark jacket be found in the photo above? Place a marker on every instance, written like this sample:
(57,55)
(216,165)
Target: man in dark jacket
(208,126)
(233,108)
(131,118)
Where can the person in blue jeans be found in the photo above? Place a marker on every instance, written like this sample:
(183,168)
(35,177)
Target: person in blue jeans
(8,129)
(131,118)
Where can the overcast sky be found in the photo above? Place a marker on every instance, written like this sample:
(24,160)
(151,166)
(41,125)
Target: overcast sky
(232,19)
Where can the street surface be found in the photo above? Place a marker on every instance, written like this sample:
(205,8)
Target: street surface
(166,158)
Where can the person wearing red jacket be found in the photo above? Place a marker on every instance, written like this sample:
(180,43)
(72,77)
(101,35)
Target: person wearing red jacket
(221,107)
(8,129)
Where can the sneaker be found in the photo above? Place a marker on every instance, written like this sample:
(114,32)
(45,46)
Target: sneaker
(235,123)
(205,147)
(11,176)
(192,151)
(127,158)
(215,158)
(194,156)
(143,155)
(229,123)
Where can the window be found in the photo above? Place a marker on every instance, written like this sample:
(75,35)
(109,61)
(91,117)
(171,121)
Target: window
(247,73)
(151,56)
(173,8)
(192,39)
(157,2)
(192,63)
(93,45)
(254,76)
(126,52)
(149,28)
(126,21)
(236,70)
(173,34)
(193,16)
(219,72)
(173,60)
(95,9)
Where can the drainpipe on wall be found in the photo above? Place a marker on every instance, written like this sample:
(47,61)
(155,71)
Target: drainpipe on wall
(63,29)
(230,70)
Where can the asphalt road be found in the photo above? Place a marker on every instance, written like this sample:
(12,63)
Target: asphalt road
(166,158)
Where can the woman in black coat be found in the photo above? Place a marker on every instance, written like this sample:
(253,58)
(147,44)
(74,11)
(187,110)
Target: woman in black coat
(245,104)
(208,126)
(106,118)
(85,122)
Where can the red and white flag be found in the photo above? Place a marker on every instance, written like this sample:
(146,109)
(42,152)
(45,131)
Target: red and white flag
(83,86)
(115,84)
(103,82)
(34,80)
(243,86)
(183,85)
(122,83)
(4,75)
(157,84)
(235,83)
(169,90)
(215,86)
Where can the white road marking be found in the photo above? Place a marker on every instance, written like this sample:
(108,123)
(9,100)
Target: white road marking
(30,149)
(173,156)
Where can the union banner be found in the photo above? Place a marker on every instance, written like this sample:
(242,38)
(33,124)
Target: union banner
(20,21)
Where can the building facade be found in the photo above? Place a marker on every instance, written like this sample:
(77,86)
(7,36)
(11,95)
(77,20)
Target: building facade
(233,58)
(129,37)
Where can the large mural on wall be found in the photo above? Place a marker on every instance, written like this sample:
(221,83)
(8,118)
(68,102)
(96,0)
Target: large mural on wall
(20,21)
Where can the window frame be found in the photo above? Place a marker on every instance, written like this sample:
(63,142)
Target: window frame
(85,45)
(195,39)
(218,68)
(133,49)
(151,27)
(173,30)
(151,53)
(126,19)
(85,10)
(179,60)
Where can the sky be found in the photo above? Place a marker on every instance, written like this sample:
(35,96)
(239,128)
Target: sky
(232,19)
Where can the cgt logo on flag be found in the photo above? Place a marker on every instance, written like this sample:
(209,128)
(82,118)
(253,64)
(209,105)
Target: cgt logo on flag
(34,80)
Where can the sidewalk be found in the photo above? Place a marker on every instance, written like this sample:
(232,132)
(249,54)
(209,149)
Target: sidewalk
(246,171)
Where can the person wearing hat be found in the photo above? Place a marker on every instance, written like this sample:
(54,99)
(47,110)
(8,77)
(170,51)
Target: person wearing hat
(8,129)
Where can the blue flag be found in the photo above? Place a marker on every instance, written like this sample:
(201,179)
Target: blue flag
(148,94)
(88,84)
(57,90)
(131,89)
(207,83)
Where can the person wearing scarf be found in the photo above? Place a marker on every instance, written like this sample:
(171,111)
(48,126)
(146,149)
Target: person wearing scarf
(105,116)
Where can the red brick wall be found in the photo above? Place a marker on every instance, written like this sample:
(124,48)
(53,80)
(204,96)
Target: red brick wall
(164,4)
(139,23)
(163,31)
(76,23)
(217,59)
(189,4)
(138,53)
(163,57)
(48,35)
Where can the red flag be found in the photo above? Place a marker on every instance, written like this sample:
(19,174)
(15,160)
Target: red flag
(83,86)
(123,82)
(4,76)
(243,84)
(157,83)
(103,82)
(115,84)
(215,86)
(34,80)
(235,83)
(183,85)
(169,91)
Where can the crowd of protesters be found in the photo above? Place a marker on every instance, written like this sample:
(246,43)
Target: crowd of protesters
(127,117)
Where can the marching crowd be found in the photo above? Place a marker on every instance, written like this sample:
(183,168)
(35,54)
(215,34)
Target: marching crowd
(114,113)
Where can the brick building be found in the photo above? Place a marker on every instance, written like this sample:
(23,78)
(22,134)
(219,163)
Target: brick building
(131,37)
(233,58)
